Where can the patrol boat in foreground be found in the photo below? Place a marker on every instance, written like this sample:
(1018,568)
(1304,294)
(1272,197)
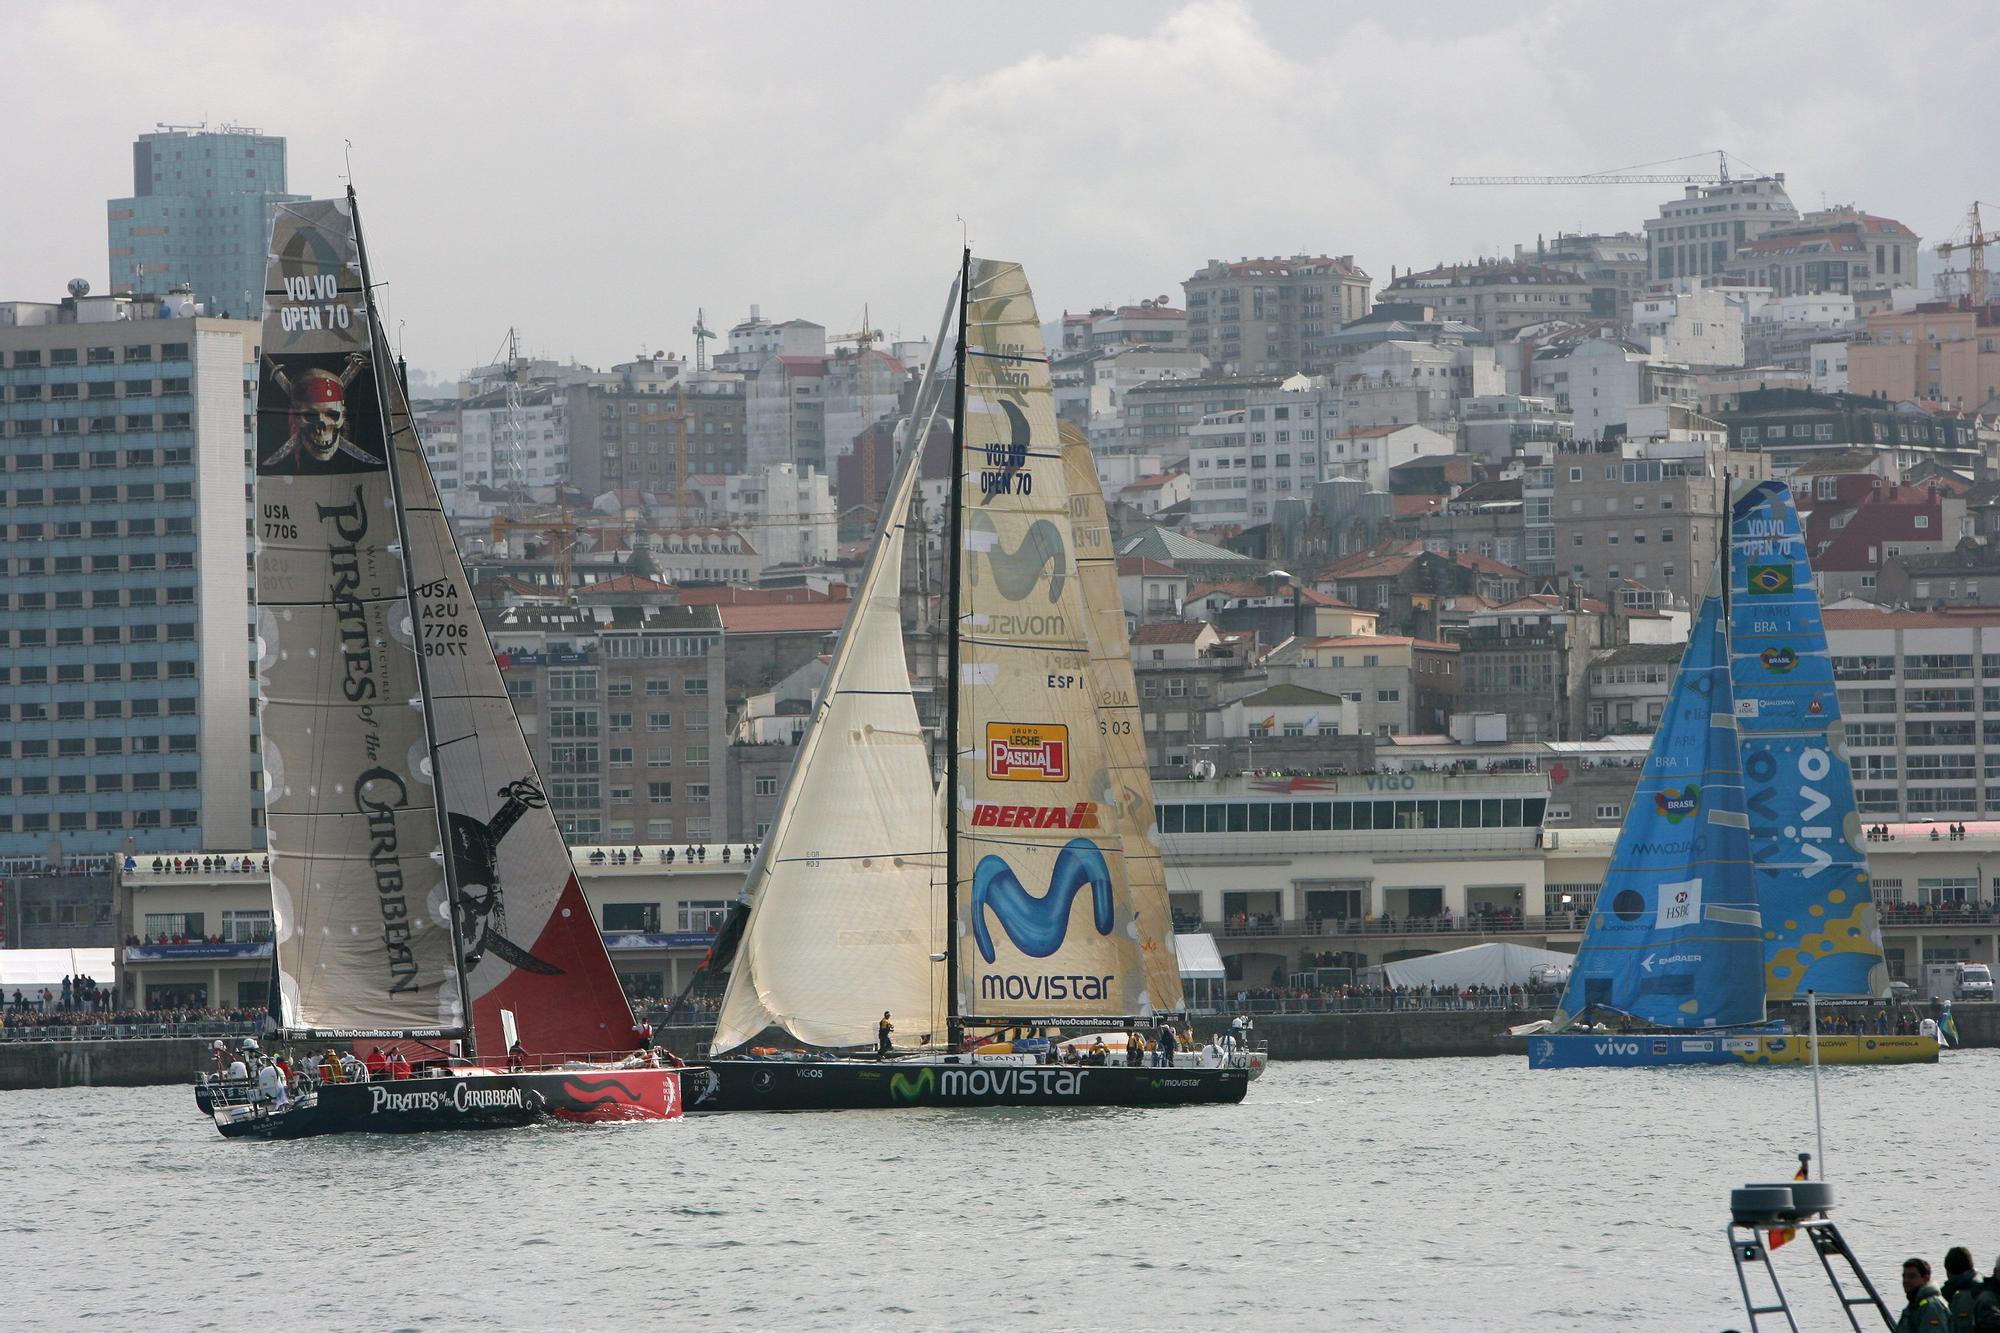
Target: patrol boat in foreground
(878,889)
(1741,874)
(421,891)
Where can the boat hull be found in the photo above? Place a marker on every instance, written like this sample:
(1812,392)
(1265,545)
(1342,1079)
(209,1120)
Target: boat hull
(473,1099)
(1604,1050)
(842,1085)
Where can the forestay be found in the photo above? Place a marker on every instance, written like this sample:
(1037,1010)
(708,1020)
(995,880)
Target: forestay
(1822,932)
(1674,939)
(1044,907)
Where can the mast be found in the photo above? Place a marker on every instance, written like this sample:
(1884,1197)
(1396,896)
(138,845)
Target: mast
(954,535)
(423,669)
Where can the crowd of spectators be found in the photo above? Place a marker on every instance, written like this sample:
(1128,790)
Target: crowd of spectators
(1361,999)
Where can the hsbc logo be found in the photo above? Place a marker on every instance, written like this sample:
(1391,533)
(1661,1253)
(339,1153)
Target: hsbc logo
(1081,815)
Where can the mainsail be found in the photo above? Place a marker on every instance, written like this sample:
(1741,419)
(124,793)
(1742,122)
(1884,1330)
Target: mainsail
(380,693)
(364,939)
(1674,938)
(1820,926)
(1045,919)
(1128,794)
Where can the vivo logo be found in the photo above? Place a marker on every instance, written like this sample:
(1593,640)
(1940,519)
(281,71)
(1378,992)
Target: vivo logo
(1617,1048)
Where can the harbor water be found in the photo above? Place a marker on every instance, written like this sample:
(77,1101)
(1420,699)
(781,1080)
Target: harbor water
(1447,1194)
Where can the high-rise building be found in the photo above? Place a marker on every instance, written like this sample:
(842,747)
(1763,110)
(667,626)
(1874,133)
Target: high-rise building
(1260,316)
(127,703)
(197,216)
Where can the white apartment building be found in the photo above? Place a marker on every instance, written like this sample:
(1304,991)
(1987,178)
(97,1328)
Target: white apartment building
(1090,386)
(490,429)
(1702,327)
(789,512)
(1367,453)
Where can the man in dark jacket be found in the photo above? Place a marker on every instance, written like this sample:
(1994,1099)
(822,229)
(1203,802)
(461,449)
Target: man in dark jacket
(1986,1304)
(1961,1285)
(1926,1311)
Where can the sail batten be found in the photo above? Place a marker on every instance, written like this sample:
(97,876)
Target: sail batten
(1812,877)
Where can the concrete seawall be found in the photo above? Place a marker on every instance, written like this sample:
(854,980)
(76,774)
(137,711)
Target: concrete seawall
(1411,1034)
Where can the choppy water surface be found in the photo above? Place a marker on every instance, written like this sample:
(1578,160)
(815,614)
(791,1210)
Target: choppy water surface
(1410,1194)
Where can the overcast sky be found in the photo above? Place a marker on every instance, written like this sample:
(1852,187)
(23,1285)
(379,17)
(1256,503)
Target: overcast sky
(594,172)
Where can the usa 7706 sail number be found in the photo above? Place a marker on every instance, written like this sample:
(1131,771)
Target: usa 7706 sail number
(445,632)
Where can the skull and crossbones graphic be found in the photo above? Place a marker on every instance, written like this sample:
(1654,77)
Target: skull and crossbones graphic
(318,418)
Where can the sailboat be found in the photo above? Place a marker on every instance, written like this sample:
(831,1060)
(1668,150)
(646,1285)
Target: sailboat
(1740,877)
(421,890)
(915,942)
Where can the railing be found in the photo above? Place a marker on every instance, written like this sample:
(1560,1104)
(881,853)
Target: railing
(1532,1002)
(1477,924)
(13,1031)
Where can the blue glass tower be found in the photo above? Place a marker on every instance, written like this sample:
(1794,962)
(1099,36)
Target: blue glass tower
(197,216)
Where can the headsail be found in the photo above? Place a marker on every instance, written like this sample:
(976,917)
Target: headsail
(1128,794)
(530,943)
(1820,924)
(847,901)
(1044,914)
(363,935)
(1674,938)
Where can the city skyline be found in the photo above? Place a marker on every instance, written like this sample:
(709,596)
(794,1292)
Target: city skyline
(720,159)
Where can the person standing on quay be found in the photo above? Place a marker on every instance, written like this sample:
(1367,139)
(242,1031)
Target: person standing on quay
(1926,1311)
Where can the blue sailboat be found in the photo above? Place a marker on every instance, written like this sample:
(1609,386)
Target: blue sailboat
(1740,876)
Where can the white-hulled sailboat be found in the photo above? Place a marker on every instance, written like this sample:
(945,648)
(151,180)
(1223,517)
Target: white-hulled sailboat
(421,890)
(935,923)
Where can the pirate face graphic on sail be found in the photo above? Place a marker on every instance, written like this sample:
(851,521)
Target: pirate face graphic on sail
(321,414)
(475,853)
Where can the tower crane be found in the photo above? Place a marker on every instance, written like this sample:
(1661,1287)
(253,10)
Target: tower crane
(1974,247)
(682,466)
(559,529)
(863,338)
(702,333)
(1622,176)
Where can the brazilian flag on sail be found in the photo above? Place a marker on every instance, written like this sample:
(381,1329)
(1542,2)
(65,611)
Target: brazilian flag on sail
(1769,580)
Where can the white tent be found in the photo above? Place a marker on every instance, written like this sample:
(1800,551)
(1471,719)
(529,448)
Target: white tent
(1201,971)
(1477,965)
(32,969)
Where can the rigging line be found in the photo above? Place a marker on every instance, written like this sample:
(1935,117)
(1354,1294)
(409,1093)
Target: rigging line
(1007,356)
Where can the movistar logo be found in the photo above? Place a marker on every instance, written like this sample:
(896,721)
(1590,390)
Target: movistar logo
(1678,805)
(1017,571)
(904,1090)
(1036,926)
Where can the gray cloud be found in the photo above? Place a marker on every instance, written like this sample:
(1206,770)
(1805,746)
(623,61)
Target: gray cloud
(592,173)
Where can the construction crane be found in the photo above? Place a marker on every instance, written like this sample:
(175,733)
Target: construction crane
(702,333)
(561,532)
(510,447)
(683,465)
(1622,176)
(1974,247)
(863,338)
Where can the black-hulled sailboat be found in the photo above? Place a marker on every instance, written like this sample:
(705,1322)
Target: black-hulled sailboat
(1022,897)
(421,890)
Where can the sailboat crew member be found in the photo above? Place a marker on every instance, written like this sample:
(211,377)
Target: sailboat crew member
(882,1031)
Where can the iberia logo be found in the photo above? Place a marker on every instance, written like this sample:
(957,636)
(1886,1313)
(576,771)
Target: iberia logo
(1081,815)
(1778,661)
(1027,751)
(1678,805)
